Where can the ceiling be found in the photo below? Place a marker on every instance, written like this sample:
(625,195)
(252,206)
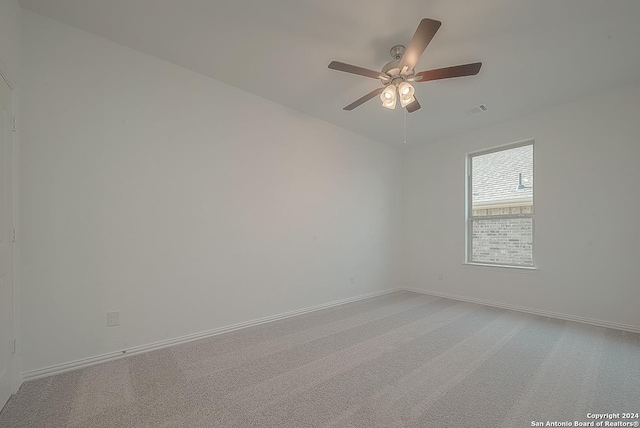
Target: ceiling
(535,53)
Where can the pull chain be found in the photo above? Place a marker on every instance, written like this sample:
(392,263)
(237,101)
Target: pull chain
(405,126)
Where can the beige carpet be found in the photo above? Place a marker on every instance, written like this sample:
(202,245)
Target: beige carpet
(400,360)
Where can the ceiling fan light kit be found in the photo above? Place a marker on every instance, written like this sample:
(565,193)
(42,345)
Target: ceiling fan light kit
(396,75)
(406,91)
(388,97)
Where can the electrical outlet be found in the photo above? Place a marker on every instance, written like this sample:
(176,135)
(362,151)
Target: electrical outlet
(352,279)
(440,276)
(113,319)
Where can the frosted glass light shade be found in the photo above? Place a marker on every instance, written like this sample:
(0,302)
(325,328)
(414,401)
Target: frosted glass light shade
(388,97)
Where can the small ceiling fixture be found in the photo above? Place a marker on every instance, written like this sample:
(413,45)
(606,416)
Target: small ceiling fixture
(477,109)
(397,74)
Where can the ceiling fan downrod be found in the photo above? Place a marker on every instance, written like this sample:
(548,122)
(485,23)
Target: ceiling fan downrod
(397,51)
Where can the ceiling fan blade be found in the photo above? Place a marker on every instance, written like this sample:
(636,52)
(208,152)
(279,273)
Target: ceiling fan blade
(419,42)
(354,69)
(413,106)
(449,72)
(364,99)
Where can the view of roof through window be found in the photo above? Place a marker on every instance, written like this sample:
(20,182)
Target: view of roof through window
(503,181)
(502,207)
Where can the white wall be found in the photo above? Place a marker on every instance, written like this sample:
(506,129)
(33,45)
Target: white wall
(182,202)
(10,13)
(10,67)
(587,183)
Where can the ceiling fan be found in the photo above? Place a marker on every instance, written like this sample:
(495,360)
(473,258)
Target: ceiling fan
(397,74)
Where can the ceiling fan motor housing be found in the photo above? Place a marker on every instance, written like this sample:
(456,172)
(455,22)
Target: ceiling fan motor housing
(392,68)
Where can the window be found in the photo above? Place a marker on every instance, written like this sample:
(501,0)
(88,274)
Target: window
(500,206)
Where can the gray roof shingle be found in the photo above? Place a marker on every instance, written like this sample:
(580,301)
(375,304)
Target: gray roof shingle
(495,176)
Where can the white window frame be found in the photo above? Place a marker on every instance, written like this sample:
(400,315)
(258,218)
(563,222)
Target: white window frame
(469,217)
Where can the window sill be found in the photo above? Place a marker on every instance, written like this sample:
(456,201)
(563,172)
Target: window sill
(523,269)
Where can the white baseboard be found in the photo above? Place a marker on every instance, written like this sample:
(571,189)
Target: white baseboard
(86,362)
(558,315)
